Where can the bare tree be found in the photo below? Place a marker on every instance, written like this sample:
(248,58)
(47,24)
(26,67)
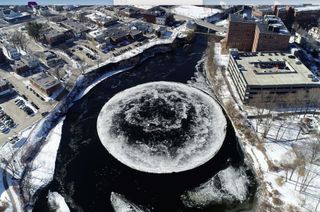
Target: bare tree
(311,174)
(19,40)
(314,155)
(218,86)
(4,205)
(26,185)
(311,170)
(14,165)
(231,109)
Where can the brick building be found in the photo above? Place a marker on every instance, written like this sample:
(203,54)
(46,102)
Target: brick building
(45,84)
(248,33)
(307,14)
(241,32)
(158,16)
(270,35)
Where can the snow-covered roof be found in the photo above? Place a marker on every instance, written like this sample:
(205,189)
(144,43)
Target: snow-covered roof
(195,11)
(307,8)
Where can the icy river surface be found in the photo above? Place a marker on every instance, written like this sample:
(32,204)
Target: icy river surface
(184,155)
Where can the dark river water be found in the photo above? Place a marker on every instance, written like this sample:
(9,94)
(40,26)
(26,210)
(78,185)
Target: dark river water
(86,173)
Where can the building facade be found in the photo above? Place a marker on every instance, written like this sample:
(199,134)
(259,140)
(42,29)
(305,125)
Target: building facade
(5,88)
(251,34)
(262,78)
(241,32)
(45,84)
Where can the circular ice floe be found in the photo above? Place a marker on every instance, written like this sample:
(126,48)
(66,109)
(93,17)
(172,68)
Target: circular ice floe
(162,127)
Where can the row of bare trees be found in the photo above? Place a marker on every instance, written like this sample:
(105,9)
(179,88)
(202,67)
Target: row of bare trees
(296,104)
(214,68)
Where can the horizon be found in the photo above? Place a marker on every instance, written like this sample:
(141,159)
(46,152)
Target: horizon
(132,2)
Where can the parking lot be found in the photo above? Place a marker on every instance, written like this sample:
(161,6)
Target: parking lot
(20,111)
(16,117)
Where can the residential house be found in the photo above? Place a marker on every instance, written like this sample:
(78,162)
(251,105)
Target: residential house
(30,60)
(157,15)
(10,52)
(50,59)
(4,87)
(55,37)
(78,29)
(135,34)
(20,67)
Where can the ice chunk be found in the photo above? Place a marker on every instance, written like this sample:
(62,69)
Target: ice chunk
(162,127)
(121,204)
(56,202)
(228,185)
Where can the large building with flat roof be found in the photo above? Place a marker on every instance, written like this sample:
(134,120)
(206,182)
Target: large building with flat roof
(264,77)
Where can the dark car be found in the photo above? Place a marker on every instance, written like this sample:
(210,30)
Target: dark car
(44,114)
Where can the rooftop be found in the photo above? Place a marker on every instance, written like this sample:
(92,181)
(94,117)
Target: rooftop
(242,18)
(74,25)
(264,8)
(44,80)
(267,69)
(307,8)
(273,25)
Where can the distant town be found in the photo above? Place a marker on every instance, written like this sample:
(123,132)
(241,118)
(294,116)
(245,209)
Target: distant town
(263,65)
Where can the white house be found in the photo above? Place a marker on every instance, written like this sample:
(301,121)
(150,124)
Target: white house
(11,52)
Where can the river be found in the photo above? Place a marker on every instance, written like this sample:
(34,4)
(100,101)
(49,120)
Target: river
(86,173)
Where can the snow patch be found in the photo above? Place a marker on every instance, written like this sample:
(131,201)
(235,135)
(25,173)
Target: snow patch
(229,185)
(195,12)
(42,168)
(56,202)
(121,204)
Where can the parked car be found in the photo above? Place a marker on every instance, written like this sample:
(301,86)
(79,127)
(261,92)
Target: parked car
(44,114)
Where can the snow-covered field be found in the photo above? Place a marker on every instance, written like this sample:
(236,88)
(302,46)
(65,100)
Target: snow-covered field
(195,12)
(285,144)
